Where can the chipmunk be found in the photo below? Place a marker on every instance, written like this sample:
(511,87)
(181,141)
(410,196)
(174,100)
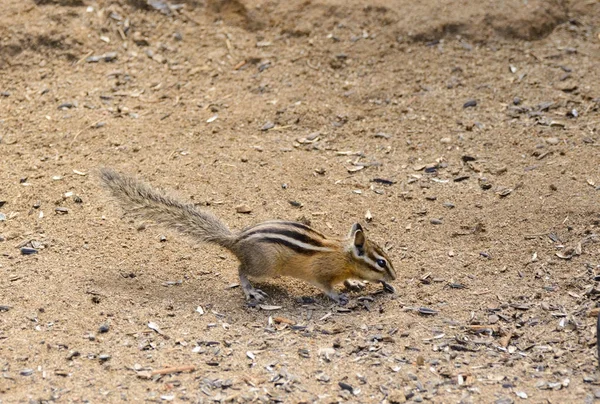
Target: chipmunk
(268,249)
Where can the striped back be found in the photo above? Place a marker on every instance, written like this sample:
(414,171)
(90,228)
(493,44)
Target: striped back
(295,236)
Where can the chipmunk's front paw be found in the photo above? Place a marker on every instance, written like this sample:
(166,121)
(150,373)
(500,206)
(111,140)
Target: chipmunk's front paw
(341,299)
(354,286)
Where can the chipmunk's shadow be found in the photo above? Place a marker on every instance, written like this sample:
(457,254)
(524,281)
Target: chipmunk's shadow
(296,293)
(289,293)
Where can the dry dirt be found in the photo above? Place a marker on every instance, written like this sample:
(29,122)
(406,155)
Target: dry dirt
(490,210)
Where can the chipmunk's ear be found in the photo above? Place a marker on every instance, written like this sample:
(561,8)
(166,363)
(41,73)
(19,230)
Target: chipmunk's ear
(357,235)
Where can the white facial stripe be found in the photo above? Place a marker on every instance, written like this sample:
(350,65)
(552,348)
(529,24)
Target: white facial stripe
(289,240)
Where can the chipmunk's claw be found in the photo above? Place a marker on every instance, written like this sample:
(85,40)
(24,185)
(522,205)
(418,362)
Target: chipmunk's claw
(255,294)
(250,291)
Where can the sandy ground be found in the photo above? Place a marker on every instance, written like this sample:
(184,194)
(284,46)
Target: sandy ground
(481,118)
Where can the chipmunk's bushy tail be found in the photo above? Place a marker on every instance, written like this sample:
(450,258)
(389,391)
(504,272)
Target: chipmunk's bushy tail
(143,201)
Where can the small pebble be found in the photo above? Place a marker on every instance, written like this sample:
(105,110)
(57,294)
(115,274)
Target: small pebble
(104,357)
(267,126)
(73,354)
(28,251)
(26,372)
(245,209)
(470,104)
(103,328)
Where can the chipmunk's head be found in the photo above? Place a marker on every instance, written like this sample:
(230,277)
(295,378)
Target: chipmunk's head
(371,261)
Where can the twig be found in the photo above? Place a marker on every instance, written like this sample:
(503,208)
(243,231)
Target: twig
(81,131)
(174,369)
(482,328)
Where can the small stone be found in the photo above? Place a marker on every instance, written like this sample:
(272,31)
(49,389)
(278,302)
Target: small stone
(470,104)
(245,209)
(26,372)
(73,354)
(521,394)
(435,221)
(110,56)
(322,377)
(103,328)
(396,397)
(553,140)
(268,125)
(346,386)
(104,357)
(28,251)
(67,105)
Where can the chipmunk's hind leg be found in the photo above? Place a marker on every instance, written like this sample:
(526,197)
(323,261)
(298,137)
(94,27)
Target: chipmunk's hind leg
(250,291)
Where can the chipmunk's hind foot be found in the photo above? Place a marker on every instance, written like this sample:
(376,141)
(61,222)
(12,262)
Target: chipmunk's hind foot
(250,291)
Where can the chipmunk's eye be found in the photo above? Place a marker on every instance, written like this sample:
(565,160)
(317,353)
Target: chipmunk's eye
(381,263)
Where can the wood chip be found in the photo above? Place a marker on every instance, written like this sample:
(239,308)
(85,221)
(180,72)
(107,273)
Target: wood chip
(283,320)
